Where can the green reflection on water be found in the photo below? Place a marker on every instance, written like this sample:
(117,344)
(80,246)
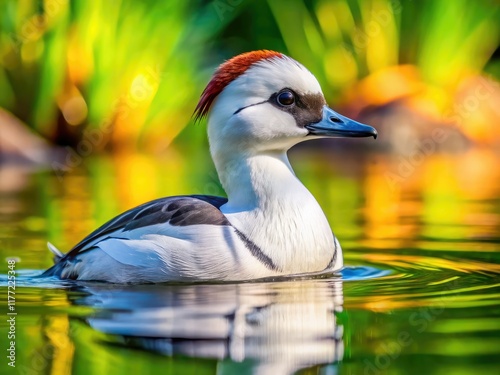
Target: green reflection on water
(437,312)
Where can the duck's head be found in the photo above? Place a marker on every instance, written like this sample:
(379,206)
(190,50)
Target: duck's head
(265,101)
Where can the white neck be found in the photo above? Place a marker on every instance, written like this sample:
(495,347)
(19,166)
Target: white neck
(275,210)
(255,181)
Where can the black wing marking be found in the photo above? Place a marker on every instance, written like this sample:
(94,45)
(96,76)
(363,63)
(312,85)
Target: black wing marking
(179,210)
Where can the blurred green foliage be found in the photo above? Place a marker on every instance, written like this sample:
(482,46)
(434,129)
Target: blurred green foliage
(346,40)
(135,69)
(78,64)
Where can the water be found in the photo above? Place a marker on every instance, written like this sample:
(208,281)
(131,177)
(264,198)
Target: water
(420,294)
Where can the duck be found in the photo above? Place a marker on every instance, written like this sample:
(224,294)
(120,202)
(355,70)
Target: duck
(258,105)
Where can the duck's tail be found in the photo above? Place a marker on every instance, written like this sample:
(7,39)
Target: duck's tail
(58,266)
(58,255)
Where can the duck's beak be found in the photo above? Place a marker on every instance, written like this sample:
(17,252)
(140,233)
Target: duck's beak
(335,125)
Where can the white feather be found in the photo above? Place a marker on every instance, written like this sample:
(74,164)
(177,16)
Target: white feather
(152,254)
(54,250)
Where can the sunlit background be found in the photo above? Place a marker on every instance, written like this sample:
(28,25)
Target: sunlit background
(106,89)
(134,69)
(96,99)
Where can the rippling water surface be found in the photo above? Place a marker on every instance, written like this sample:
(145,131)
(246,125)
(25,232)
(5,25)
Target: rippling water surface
(420,293)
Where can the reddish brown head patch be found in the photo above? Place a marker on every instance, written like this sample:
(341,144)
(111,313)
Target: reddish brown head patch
(225,74)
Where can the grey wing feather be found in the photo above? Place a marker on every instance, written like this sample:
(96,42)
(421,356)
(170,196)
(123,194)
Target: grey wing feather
(178,210)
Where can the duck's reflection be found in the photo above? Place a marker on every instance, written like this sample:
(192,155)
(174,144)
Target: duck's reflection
(278,327)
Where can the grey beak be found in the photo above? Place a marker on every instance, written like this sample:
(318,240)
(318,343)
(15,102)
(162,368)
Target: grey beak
(334,124)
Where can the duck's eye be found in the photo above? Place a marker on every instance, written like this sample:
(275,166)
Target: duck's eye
(285,98)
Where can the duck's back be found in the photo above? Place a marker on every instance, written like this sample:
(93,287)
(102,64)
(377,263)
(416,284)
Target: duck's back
(178,238)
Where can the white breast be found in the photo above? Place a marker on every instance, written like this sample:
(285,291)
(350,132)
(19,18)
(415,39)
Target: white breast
(282,217)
